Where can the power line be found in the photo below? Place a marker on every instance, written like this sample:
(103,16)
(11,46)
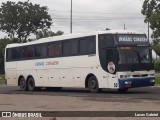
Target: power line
(88,16)
(75,19)
(93,12)
(124,5)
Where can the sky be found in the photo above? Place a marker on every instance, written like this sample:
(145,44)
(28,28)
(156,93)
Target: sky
(92,15)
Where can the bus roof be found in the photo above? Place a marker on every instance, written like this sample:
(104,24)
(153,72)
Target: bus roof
(70,36)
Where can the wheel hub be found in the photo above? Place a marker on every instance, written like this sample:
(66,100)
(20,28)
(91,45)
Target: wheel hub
(93,84)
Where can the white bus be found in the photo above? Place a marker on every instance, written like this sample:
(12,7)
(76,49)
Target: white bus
(106,59)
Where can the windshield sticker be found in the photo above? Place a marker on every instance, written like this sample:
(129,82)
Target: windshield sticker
(111,67)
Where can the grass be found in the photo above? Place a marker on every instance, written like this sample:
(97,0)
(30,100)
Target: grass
(2,81)
(157,80)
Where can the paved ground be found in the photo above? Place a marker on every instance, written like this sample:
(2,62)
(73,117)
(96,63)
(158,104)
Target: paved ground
(140,99)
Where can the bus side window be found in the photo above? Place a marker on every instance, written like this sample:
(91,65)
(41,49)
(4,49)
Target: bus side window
(66,48)
(51,50)
(16,53)
(54,49)
(28,52)
(9,54)
(13,54)
(70,47)
(91,46)
(38,51)
(83,46)
(74,49)
(87,45)
(41,50)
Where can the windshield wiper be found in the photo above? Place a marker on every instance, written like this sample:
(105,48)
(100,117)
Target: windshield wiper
(139,57)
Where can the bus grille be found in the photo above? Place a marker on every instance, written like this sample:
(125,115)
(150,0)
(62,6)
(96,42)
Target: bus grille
(143,75)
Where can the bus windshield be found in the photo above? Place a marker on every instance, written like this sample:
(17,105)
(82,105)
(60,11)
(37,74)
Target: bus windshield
(130,55)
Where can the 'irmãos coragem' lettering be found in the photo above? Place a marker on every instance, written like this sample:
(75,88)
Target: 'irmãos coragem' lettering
(139,39)
(125,39)
(52,62)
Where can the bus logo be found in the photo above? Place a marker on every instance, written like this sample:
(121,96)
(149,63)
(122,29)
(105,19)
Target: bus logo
(6,114)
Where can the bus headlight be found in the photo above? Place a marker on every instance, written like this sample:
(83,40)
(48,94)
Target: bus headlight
(152,81)
(128,82)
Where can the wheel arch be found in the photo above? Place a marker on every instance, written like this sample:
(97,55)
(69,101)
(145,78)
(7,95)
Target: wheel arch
(21,76)
(87,78)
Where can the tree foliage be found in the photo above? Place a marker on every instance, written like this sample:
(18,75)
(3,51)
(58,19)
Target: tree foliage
(156,47)
(23,18)
(3,43)
(151,9)
(46,33)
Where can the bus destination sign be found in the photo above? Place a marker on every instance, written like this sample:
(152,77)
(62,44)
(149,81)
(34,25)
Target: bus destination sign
(131,39)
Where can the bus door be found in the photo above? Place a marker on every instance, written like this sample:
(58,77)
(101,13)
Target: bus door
(112,61)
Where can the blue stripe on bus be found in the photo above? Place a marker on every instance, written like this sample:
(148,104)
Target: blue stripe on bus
(137,82)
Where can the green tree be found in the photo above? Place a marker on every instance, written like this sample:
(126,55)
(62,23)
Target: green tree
(47,33)
(23,18)
(151,9)
(8,18)
(156,47)
(3,43)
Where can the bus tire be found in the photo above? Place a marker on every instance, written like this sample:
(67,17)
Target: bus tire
(31,84)
(93,84)
(22,84)
(123,90)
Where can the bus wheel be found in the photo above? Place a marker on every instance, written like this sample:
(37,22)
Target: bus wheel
(31,84)
(22,84)
(93,84)
(123,90)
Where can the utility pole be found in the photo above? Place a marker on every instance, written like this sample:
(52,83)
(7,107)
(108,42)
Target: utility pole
(148,22)
(148,30)
(71,19)
(124,26)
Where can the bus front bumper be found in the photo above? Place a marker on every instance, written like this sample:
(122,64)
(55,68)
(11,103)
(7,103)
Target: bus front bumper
(136,82)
